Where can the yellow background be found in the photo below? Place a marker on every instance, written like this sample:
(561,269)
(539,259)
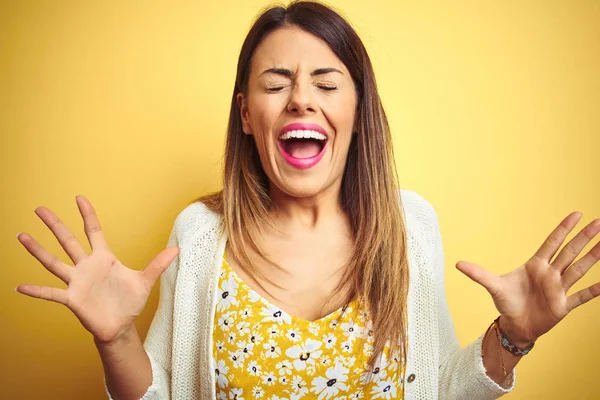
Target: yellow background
(494,107)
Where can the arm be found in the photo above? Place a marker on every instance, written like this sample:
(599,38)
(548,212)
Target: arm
(133,371)
(105,295)
(126,366)
(491,359)
(462,372)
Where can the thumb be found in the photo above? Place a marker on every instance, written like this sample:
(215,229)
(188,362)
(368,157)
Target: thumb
(159,264)
(485,278)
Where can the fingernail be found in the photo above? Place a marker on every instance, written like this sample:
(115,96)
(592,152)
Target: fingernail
(16,289)
(18,235)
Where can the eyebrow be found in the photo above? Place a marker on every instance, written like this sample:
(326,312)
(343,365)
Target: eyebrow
(286,72)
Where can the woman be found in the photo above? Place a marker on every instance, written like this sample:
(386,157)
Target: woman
(309,275)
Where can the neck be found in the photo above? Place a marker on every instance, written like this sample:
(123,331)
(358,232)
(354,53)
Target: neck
(306,213)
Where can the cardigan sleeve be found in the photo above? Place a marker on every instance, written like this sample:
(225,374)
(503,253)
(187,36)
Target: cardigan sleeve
(461,371)
(158,343)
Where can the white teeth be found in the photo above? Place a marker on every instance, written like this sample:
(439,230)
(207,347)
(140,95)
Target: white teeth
(303,135)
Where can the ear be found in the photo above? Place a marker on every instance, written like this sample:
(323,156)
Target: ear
(243,105)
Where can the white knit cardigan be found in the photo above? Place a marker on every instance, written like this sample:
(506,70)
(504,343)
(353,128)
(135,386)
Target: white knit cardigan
(179,342)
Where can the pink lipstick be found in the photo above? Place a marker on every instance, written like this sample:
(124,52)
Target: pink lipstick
(302,162)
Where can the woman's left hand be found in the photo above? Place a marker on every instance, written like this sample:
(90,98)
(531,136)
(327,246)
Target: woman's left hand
(532,299)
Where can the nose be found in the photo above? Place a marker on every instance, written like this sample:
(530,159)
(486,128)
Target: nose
(301,99)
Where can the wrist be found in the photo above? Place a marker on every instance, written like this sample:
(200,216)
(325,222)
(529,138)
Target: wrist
(125,337)
(514,338)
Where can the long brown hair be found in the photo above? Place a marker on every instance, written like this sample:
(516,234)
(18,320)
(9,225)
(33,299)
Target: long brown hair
(378,268)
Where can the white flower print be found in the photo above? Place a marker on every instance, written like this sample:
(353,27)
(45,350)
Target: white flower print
(284,368)
(361,332)
(273,331)
(361,316)
(350,330)
(271,349)
(384,389)
(236,394)
(304,354)
(245,347)
(293,334)
(377,374)
(243,327)
(256,337)
(227,293)
(272,313)
(253,368)
(231,337)
(314,329)
(340,360)
(280,357)
(329,340)
(299,386)
(225,321)
(347,346)
(393,365)
(325,360)
(220,345)
(357,395)
(332,383)
(237,357)
(269,379)
(258,392)
(221,371)
(253,297)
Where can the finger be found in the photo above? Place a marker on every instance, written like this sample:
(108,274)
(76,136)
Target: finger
(44,292)
(485,278)
(583,296)
(159,264)
(575,246)
(56,267)
(557,237)
(581,267)
(66,239)
(91,224)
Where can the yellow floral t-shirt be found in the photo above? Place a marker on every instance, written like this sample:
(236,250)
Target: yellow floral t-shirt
(260,351)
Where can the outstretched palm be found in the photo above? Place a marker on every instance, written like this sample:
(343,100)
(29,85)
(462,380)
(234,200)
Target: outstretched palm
(105,295)
(533,298)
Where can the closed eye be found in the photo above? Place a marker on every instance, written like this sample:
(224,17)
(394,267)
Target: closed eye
(328,88)
(323,87)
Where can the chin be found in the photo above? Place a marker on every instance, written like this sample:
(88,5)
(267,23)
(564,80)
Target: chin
(303,187)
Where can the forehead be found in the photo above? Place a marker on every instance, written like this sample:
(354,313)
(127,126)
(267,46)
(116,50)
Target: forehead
(292,47)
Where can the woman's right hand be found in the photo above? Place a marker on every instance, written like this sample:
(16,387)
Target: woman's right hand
(105,295)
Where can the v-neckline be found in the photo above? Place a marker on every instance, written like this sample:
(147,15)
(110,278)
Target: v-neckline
(293,318)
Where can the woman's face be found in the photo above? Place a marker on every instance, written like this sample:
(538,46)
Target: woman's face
(300,109)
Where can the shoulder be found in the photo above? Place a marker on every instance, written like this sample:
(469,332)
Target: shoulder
(419,210)
(196,219)
(423,226)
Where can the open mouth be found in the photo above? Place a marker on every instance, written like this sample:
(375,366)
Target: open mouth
(302,143)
